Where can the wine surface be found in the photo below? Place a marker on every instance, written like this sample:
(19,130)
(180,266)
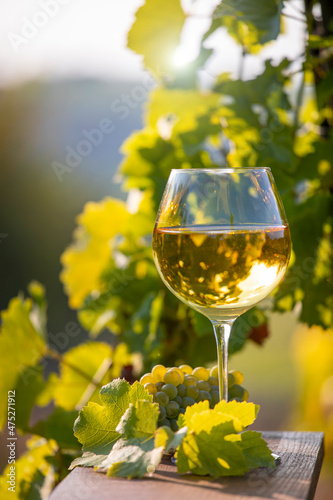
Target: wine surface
(218,270)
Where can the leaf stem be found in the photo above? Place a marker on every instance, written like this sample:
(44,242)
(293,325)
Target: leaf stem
(299,100)
(95,382)
(241,64)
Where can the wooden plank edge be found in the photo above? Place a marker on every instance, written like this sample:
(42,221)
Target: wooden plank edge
(317,469)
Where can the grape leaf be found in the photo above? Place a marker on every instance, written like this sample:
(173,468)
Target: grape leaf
(96,424)
(186,419)
(31,468)
(163,24)
(135,454)
(255,449)
(168,439)
(246,413)
(308,279)
(17,330)
(183,106)
(133,458)
(139,421)
(90,253)
(213,444)
(249,23)
(88,459)
(125,441)
(204,449)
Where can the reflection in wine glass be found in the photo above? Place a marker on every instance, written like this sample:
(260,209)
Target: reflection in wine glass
(221,244)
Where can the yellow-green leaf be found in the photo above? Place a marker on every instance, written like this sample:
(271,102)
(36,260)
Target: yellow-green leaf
(155,33)
(87,258)
(21,344)
(184,106)
(96,425)
(30,466)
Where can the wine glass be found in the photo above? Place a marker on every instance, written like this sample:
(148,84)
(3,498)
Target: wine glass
(221,244)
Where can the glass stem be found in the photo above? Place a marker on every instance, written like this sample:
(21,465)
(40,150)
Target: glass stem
(222,334)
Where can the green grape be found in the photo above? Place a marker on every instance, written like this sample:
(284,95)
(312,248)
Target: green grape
(245,395)
(159,385)
(239,400)
(214,372)
(192,391)
(187,401)
(231,380)
(182,410)
(158,373)
(204,396)
(201,373)
(172,377)
(172,409)
(147,378)
(190,380)
(214,388)
(215,398)
(178,400)
(237,391)
(162,414)
(186,369)
(203,385)
(174,425)
(213,381)
(180,372)
(165,423)
(170,390)
(238,376)
(150,388)
(181,390)
(161,398)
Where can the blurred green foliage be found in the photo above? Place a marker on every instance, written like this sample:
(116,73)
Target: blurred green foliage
(108,271)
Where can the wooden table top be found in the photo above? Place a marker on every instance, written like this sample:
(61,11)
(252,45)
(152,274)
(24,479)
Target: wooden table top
(295,478)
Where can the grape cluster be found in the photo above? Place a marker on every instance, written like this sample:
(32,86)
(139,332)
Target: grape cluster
(174,389)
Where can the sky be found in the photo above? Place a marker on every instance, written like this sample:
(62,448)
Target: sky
(51,39)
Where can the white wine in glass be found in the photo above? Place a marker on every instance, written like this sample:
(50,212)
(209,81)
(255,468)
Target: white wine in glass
(221,244)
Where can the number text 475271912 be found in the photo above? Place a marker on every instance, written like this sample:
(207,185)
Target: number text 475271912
(11,445)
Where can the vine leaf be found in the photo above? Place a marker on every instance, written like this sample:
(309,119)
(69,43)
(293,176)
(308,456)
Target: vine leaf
(213,444)
(135,454)
(96,425)
(255,449)
(185,106)
(22,345)
(155,33)
(250,23)
(246,413)
(168,439)
(33,469)
(90,254)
